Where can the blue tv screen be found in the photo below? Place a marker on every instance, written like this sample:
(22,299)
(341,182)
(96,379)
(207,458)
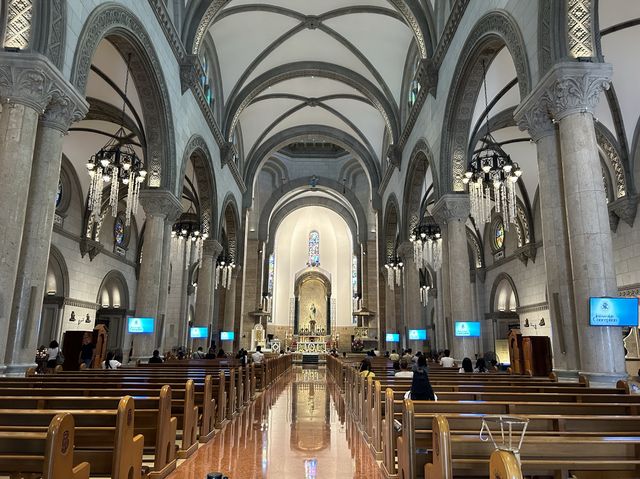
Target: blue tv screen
(469,329)
(199,333)
(226,335)
(417,334)
(613,311)
(393,338)
(140,325)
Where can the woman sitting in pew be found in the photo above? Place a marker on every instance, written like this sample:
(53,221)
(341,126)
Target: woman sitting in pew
(467,366)
(365,369)
(421,389)
(110,362)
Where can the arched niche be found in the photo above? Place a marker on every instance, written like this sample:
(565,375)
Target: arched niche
(56,291)
(113,301)
(312,293)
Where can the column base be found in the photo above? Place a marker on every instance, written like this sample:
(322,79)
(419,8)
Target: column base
(604,380)
(567,375)
(16,370)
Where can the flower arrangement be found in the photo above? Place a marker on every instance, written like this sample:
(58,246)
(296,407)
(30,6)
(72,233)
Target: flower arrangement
(357,345)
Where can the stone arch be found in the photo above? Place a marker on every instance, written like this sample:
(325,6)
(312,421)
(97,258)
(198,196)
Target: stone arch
(127,33)
(421,160)
(114,282)
(503,280)
(323,183)
(392,226)
(491,33)
(299,133)
(229,227)
(57,268)
(197,151)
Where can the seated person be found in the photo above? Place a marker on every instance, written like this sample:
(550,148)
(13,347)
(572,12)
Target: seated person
(155,359)
(421,389)
(404,371)
(446,361)
(365,369)
(211,354)
(110,362)
(467,366)
(221,354)
(481,366)
(394,356)
(199,354)
(258,356)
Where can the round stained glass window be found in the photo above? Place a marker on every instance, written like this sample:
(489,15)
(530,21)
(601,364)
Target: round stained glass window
(498,237)
(118,231)
(59,194)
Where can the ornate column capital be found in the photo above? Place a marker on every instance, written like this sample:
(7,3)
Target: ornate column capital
(31,79)
(63,110)
(534,117)
(190,72)
(211,248)
(452,207)
(160,203)
(568,88)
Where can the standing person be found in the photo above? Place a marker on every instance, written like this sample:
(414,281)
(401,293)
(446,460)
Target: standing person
(52,354)
(87,350)
(110,362)
(155,359)
(421,389)
(446,361)
(258,357)
(199,354)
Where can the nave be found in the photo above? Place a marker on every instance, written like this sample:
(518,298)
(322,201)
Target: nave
(296,429)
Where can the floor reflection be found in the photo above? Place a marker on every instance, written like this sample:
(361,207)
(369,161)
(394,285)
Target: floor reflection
(297,429)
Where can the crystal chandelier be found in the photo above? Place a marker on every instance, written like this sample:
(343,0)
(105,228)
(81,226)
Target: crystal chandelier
(116,163)
(424,295)
(394,266)
(491,171)
(224,269)
(427,245)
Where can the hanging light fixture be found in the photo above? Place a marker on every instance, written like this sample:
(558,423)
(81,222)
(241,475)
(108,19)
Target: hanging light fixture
(491,170)
(224,269)
(188,226)
(116,163)
(394,266)
(424,295)
(427,245)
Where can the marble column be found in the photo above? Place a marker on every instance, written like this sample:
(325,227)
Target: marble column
(412,318)
(164,283)
(158,206)
(252,287)
(36,238)
(453,210)
(532,115)
(211,249)
(27,82)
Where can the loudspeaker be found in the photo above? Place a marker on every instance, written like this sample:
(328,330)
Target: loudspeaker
(216,475)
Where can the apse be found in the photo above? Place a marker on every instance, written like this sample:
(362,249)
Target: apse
(293,255)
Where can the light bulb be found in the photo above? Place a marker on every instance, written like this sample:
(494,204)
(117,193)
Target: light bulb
(104,163)
(90,166)
(507,167)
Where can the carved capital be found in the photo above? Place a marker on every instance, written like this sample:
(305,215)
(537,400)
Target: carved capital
(62,111)
(535,119)
(190,72)
(452,207)
(624,209)
(161,203)
(526,253)
(227,153)
(394,154)
(428,75)
(211,249)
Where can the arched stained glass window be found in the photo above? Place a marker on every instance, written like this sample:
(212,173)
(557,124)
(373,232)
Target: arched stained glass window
(498,235)
(272,267)
(59,193)
(119,231)
(314,248)
(354,275)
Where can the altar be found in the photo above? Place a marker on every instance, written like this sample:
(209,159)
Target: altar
(313,344)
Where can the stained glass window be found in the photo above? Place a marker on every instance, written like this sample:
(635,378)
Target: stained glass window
(59,194)
(118,231)
(498,237)
(354,275)
(272,267)
(314,248)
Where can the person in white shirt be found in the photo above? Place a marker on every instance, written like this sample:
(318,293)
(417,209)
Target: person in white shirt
(404,371)
(446,361)
(394,356)
(258,357)
(110,362)
(52,351)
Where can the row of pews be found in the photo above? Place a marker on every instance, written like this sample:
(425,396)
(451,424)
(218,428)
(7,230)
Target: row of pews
(129,423)
(574,430)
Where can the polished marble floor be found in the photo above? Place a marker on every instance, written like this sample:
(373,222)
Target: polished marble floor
(296,430)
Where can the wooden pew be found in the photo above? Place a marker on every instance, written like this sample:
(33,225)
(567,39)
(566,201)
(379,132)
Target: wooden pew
(49,454)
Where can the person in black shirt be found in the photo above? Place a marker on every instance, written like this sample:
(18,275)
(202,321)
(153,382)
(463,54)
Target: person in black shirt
(86,353)
(156,357)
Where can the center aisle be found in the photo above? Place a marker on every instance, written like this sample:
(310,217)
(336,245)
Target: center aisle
(296,430)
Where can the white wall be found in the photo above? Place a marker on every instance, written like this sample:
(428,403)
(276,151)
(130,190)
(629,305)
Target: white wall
(291,256)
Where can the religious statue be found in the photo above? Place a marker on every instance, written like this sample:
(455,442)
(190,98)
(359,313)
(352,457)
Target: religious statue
(73,316)
(312,317)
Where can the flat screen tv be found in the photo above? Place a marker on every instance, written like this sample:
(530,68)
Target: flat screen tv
(393,338)
(140,325)
(468,329)
(613,311)
(199,333)
(226,335)
(417,334)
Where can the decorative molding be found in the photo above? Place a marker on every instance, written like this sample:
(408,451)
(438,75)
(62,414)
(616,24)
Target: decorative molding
(457,11)
(19,16)
(170,32)
(212,10)
(580,28)
(610,151)
(532,308)
(629,290)
(211,248)
(79,303)
(477,250)
(452,207)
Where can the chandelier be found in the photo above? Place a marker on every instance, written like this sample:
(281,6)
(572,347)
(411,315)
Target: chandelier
(116,163)
(427,245)
(491,171)
(224,269)
(188,227)
(424,295)
(394,266)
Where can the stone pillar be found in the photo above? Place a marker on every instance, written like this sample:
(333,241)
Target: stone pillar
(230,305)
(453,210)
(532,116)
(158,206)
(204,299)
(36,239)
(412,318)
(252,287)
(573,90)
(164,281)
(27,86)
